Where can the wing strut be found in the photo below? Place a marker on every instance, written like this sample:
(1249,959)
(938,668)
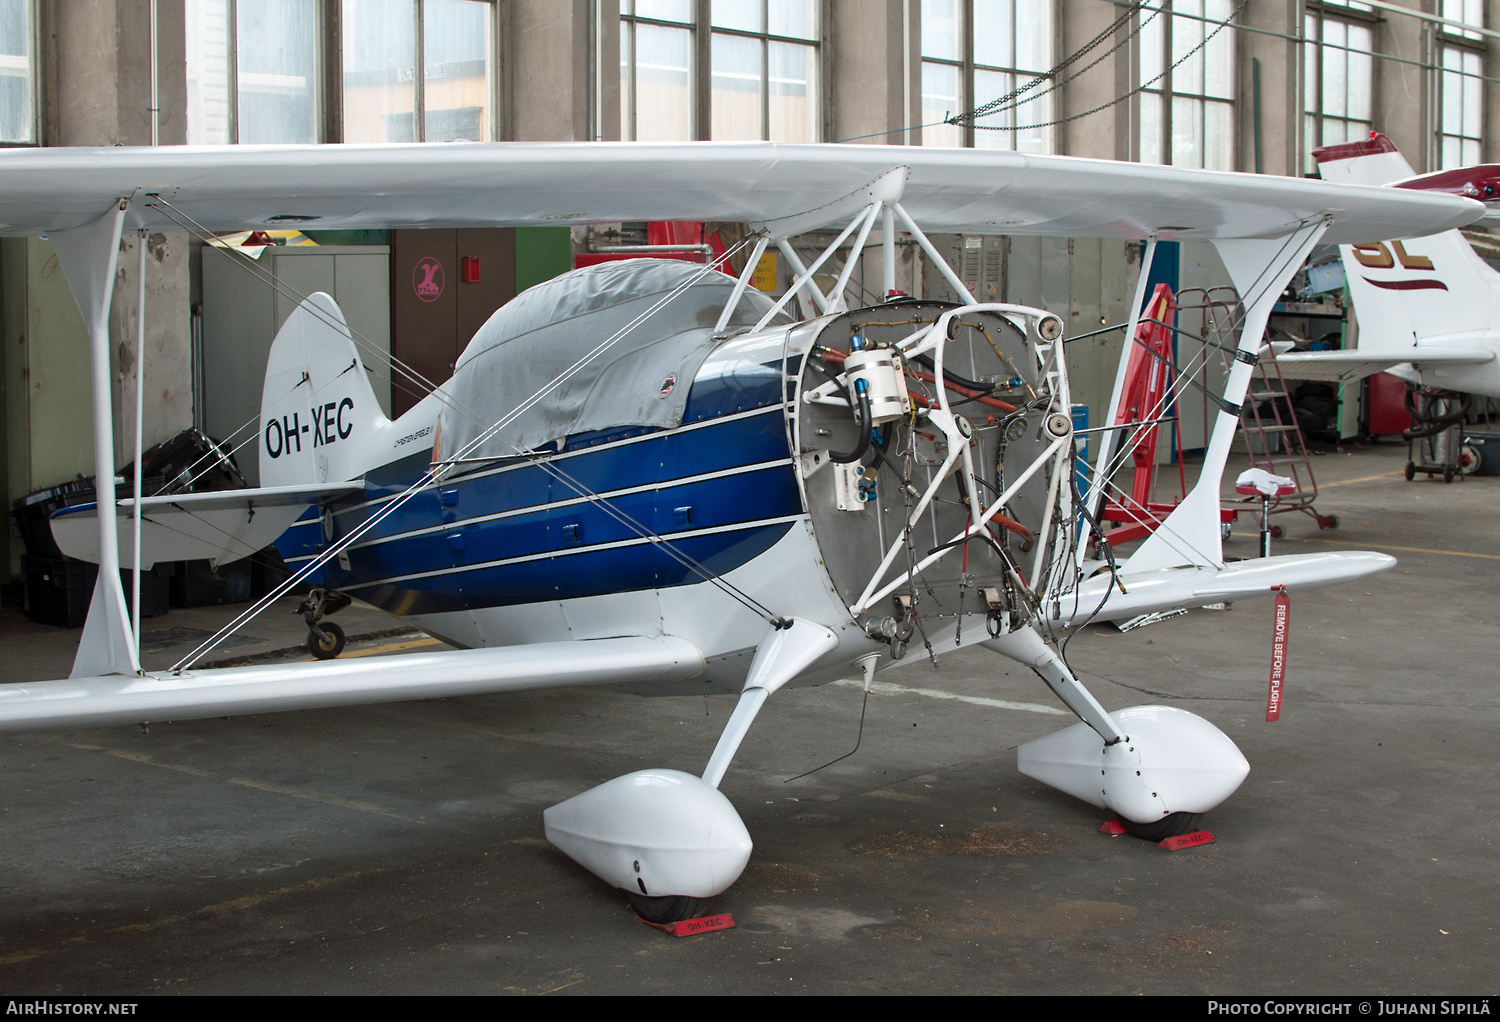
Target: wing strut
(1094,500)
(88,256)
(1260,269)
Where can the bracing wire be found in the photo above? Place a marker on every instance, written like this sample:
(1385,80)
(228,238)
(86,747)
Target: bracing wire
(494,430)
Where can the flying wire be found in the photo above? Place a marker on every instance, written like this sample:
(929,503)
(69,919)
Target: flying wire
(435,471)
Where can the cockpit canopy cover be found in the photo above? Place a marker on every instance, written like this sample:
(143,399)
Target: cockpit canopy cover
(649,320)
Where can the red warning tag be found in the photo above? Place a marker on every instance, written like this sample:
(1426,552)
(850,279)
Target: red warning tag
(1113,827)
(1278,654)
(704,924)
(1197,837)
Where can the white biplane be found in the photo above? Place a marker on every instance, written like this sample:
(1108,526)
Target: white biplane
(649,472)
(1428,313)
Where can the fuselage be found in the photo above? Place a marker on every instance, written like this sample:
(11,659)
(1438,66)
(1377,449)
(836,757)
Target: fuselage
(706,530)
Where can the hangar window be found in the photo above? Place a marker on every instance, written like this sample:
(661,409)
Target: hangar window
(764,79)
(390,95)
(730,70)
(252,71)
(1337,76)
(977,52)
(17,72)
(306,71)
(1461,86)
(1186,76)
(656,70)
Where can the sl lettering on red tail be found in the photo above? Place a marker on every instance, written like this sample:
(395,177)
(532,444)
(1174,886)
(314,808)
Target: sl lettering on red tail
(1278,653)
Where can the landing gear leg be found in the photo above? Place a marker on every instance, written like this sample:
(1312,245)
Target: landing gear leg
(324,641)
(671,841)
(1158,767)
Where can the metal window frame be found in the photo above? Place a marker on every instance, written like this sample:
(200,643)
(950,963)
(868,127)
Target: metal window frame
(321,78)
(628,23)
(1322,13)
(1167,88)
(1464,47)
(332,52)
(967,65)
(34,74)
(700,67)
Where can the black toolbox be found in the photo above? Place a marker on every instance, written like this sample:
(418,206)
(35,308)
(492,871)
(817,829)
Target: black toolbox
(195,584)
(59,589)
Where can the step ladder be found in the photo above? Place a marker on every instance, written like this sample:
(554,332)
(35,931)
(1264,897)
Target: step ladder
(1275,443)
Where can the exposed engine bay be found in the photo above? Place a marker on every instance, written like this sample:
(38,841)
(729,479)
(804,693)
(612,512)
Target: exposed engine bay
(915,420)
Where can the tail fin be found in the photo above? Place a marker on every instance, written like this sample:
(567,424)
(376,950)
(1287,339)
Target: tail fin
(318,413)
(1407,291)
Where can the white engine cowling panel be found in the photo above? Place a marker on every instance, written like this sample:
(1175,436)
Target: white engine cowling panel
(656,832)
(1172,761)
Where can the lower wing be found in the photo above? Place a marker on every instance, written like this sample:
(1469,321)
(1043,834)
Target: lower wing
(1170,588)
(122,699)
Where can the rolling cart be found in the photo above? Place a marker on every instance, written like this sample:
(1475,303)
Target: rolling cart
(1435,451)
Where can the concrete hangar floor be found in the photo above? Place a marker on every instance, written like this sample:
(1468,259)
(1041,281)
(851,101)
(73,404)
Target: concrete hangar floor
(398,849)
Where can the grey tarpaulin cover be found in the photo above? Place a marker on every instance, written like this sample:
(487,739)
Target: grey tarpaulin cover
(542,331)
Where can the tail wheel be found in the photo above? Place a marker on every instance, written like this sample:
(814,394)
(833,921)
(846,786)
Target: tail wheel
(330,645)
(670,909)
(1172,825)
(1469,459)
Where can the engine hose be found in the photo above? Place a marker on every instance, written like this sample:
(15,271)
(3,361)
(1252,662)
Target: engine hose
(864,434)
(865,414)
(1028,538)
(1428,425)
(882,443)
(952,377)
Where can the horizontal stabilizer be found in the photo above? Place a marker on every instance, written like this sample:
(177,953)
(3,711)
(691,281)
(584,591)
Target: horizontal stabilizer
(220,525)
(117,699)
(1346,366)
(1169,588)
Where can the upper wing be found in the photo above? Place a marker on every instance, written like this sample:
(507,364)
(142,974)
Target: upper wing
(124,699)
(1344,366)
(509,184)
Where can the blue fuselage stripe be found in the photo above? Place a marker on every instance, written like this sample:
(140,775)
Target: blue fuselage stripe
(496,536)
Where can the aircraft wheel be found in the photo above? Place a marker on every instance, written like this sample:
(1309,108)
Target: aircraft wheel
(1172,825)
(1468,459)
(329,648)
(1411,471)
(670,909)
